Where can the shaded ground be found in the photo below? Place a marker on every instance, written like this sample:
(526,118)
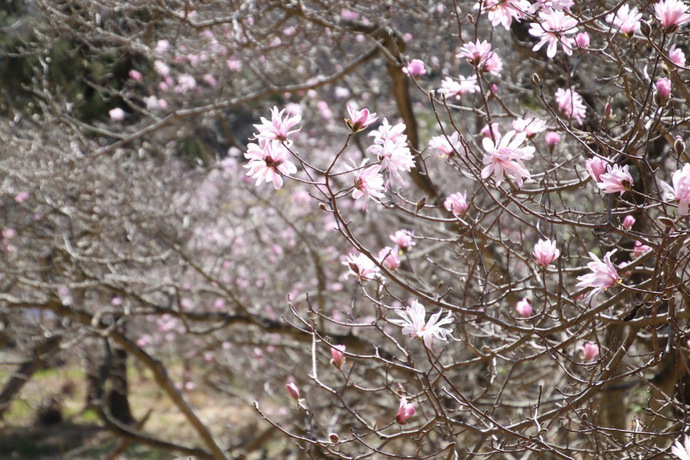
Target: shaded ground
(81,436)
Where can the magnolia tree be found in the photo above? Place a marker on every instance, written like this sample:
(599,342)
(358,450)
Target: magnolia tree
(398,229)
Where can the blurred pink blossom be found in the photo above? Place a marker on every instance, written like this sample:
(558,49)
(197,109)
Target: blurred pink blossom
(415,68)
(456,203)
(570,104)
(524,308)
(590,351)
(628,222)
(671,13)
(616,179)
(680,191)
(337,355)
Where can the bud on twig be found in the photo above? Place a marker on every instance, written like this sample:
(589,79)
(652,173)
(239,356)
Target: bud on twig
(536,79)
(645,28)
(679,145)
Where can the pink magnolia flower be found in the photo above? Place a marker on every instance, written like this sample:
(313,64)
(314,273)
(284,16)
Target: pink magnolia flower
(545,252)
(479,54)
(504,11)
(530,126)
(505,157)
(616,179)
(596,167)
(603,275)
(446,145)
(388,132)
(268,162)
(359,119)
(582,40)
(456,203)
(626,20)
(391,148)
(681,450)
(292,390)
(337,355)
(590,351)
(405,411)
(368,182)
(415,68)
(279,127)
(680,191)
(554,28)
(388,257)
(676,56)
(117,114)
(640,249)
(413,324)
(524,308)
(671,13)
(361,267)
(460,87)
(628,222)
(403,239)
(552,138)
(570,104)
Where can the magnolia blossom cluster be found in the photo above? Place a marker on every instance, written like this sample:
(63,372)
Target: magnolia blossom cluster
(391,148)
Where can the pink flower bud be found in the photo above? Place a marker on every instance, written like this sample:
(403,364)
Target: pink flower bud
(608,111)
(338,355)
(552,138)
(334,438)
(640,249)
(403,239)
(135,75)
(663,91)
(293,391)
(524,308)
(405,411)
(590,350)
(456,203)
(389,258)
(628,222)
(582,40)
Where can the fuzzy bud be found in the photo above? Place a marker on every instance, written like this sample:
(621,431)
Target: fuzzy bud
(334,438)
(337,355)
(679,145)
(536,79)
(293,391)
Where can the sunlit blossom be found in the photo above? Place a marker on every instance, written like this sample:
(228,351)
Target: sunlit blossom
(279,127)
(403,239)
(680,190)
(504,11)
(268,162)
(603,274)
(671,13)
(616,179)
(553,28)
(361,267)
(368,182)
(388,257)
(681,450)
(570,104)
(458,88)
(447,146)
(479,54)
(626,20)
(505,157)
(413,323)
